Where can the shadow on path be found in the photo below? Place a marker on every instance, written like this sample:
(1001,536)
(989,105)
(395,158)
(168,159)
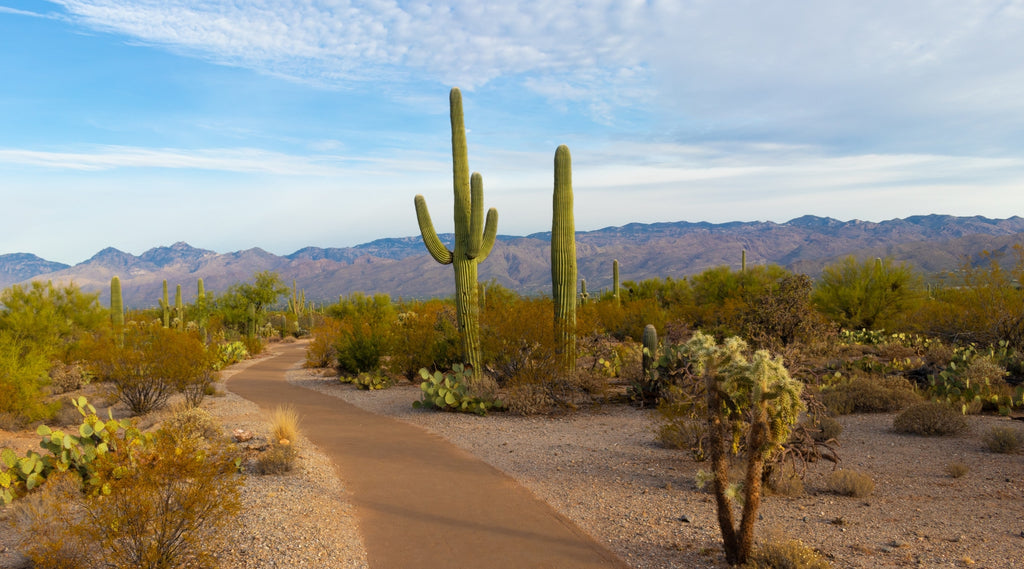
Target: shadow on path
(423,503)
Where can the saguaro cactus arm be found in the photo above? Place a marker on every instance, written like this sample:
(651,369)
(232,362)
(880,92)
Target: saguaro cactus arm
(437,250)
(481,233)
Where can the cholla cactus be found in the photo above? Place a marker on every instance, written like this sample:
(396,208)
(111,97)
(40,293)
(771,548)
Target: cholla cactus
(750,403)
(474,237)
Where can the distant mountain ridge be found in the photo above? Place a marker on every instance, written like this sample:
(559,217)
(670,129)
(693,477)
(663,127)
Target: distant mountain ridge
(401,266)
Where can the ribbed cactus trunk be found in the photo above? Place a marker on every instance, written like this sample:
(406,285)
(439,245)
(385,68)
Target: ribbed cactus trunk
(743,261)
(615,280)
(563,261)
(165,304)
(179,309)
(650,355)
(116,304)
(583,291)
(474,237)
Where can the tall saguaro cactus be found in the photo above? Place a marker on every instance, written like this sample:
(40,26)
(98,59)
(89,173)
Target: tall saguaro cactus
(179,309)
(116,303)
(563,260)
(474,237)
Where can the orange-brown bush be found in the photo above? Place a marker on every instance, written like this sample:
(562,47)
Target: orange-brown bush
(869,394)
(164,504)
(321,351)
(426,336)
(931,418)
(147,363)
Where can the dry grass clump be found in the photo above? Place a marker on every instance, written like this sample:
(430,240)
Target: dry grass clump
(957,469)
(284,424)
(276,459)
(826,428)
(786,481)
(853,483)
(192,422)
(865,394)
(1003,440)
(788,554)
(930,419)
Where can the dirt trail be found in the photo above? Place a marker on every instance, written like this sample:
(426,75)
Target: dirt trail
(421,501)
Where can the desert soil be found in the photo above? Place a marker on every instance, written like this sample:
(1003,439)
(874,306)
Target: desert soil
(603,469)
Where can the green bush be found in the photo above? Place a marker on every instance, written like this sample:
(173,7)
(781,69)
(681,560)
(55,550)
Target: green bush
(23,378)
(931,418)
(426,336)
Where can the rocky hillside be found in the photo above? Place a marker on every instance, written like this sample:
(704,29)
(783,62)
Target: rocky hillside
(401,267)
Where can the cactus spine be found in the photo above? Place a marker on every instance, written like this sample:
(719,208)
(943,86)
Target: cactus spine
(615,280)
(116,303)
(165,305)
(563,260)
(474,237)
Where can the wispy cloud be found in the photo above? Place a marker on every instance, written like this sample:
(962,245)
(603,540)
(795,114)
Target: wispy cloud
(238,160)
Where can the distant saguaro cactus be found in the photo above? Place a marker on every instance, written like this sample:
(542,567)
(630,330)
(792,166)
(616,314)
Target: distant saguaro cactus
(474,238)
(650,355)
(583,291)
(179,309)
(165,305)
(615,280)
(563,260)
(116,303)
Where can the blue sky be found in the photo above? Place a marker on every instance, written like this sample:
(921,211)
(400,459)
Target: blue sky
(280,124)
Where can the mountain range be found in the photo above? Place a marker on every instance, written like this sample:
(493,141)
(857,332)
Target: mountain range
(402,268)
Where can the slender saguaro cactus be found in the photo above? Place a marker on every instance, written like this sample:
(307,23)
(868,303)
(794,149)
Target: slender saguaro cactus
(179,309)
(201,308)
(615,280)
(166,306)
(743,261)
(116,303)
(563,260)
(583,291)
(474,237)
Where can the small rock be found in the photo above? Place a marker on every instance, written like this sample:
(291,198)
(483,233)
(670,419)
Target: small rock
(683,518)
(241,435)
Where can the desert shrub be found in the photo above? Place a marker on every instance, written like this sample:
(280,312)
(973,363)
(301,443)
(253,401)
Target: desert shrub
(321,351)
(284,424)
(680,425)
(957,469)
(783,315)
(789,554)
(52,319)
(867,394)
(786,481)
(253,345)
(148,363)
(169,501)
(1003,440)
(191,422)
(870,294)
(277,458)
(930,418)
(426,336)
(853,483)
(23,377)
(365,334)
(45,521)
(826,428)
(65,377)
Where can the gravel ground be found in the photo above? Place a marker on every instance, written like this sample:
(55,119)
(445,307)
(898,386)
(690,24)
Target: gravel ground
(603,469)
(298,519)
